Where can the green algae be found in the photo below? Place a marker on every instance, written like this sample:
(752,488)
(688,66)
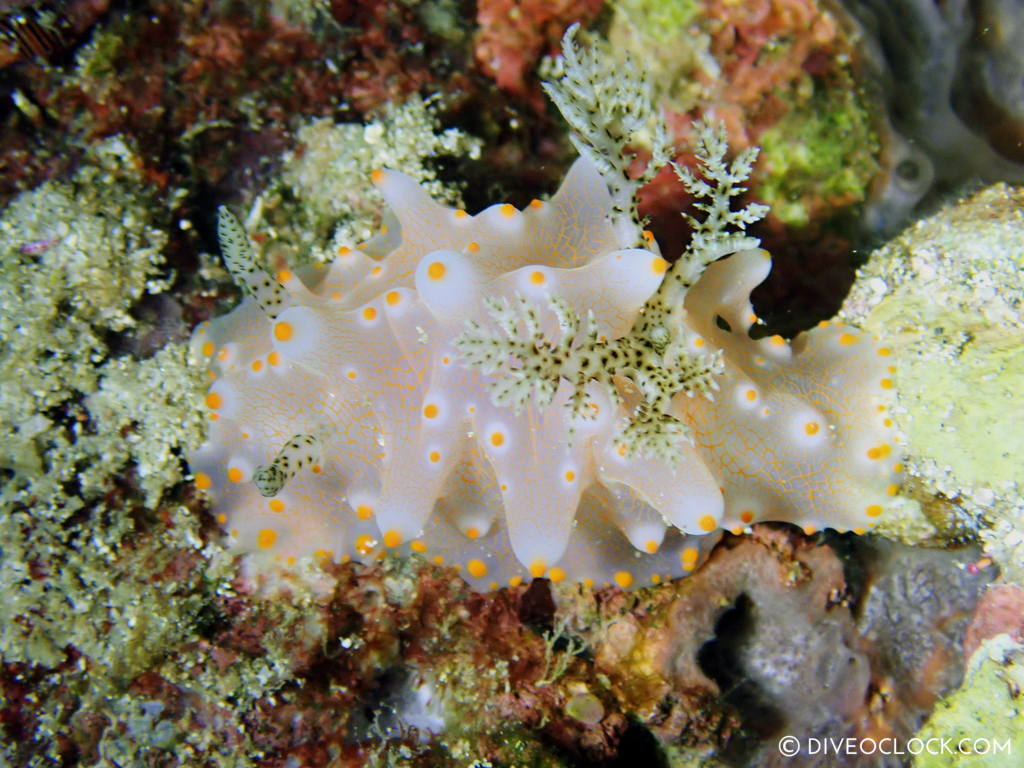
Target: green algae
(141,730)
(144,413)
(324,198)
(986,708)
(823,151)
(76,256)
(663,20)
(106,576)
(972,432)
(945,296)
(668,38)
(819,150)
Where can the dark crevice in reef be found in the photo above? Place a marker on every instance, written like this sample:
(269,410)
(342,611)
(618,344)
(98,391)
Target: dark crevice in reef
(537,606)
(638,746)
(721,659)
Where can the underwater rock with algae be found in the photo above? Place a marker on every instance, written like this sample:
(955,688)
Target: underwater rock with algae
(948,296)
(978,721)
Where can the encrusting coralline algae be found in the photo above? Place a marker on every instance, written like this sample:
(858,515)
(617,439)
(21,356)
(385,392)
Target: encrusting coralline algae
(538,392)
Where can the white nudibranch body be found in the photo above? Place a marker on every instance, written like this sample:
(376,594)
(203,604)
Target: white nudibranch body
(446,400)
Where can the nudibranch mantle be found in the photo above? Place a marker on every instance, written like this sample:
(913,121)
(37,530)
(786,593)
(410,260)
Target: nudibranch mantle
(345,421)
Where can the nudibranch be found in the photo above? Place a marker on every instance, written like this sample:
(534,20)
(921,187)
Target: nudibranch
(525,393)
